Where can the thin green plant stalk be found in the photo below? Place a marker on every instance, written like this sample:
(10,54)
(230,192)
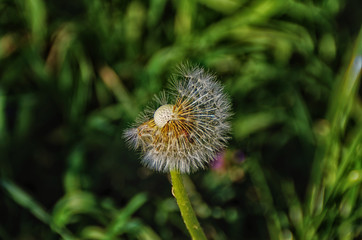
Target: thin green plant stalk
(183,202)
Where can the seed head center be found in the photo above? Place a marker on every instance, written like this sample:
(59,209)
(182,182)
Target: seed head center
(163,114)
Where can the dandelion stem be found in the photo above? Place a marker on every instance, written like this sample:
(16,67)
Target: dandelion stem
(187,212)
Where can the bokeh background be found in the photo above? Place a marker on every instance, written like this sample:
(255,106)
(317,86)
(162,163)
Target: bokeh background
(75,74)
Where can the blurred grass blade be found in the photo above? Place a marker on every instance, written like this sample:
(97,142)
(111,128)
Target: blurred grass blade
(146,233)
(184,17)
(155,12)
(223,6)
(266,198)
(342,99)
(25,200)
(255,122)
(3,129)
(350,171)
(35,13)
(73,176)
(294,205)
(114,83)
(345,90)
(333,159)
(93,232)
(257,12)
(71,205)
(117,227)
(133,227)
(136,228)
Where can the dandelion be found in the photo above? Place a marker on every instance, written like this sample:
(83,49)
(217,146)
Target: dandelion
(189,127)
(186,131)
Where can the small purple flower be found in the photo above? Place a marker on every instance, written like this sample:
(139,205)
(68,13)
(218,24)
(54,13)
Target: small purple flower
(219,161)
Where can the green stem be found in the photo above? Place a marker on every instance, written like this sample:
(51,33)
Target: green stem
(187,213)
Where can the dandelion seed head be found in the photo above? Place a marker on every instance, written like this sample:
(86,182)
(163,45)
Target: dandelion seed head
(189,127)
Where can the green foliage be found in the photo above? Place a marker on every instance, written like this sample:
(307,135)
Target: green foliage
(74,74)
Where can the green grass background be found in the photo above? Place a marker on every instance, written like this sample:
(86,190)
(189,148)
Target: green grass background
(75,74)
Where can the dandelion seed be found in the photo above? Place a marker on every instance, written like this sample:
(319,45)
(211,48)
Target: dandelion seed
(189,127)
